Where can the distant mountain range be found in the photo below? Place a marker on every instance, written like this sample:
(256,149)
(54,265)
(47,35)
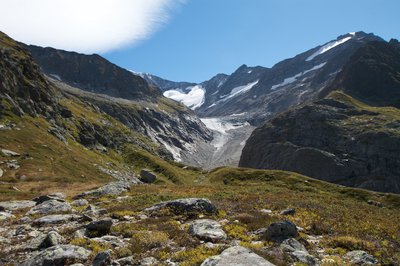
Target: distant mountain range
(330,112)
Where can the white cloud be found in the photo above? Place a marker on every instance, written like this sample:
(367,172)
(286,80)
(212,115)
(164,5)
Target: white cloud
(83,25)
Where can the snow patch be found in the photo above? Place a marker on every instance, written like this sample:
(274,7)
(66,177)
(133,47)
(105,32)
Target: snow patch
(193,99)
(328,47)
(221,128)
(176,152)
(249,72)
(294,78)
(56,77)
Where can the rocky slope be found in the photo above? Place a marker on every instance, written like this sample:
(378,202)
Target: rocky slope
(351,136)
(128,98)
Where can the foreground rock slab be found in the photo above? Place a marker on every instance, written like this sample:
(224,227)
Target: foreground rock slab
(187,205)
(58,256)
(50,206)
(56,219)
(17,204)
(360,257)
(113,188)
(208,230)
(238,256)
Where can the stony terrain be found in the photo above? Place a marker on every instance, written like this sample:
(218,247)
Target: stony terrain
(277,219)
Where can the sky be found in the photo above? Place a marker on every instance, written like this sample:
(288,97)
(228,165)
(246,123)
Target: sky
(193,40)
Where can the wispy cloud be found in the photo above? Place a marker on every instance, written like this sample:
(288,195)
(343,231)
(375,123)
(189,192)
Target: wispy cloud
(84,25)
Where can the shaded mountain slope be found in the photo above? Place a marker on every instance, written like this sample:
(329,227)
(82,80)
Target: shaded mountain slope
(351,137)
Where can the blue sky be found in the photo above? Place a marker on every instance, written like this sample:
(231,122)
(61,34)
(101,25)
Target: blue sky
(206,37)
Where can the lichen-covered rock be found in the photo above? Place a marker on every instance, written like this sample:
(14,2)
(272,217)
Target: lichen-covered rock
(187,205)
(5,216)
(56,219)
(17,204)
(113,188)
(52,239)
(236,256)
(50,206)
(208,230)
(360,257)
(58,256)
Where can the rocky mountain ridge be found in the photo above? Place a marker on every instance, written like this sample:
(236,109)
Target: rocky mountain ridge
(350,137)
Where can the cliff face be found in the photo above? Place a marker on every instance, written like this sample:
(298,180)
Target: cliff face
(93,73)
(351,137)
(21,83)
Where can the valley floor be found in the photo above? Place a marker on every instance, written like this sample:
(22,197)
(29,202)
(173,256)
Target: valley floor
(331,222)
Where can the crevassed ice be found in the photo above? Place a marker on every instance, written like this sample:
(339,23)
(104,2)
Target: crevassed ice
(292,79)
(193,99)
(327,47)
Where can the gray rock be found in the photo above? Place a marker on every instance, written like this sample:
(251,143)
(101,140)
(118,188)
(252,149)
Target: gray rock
(113,188)
(9,153)
(208,230)
(93,211)
(375,203)
(297,251)
(5,216)
(17,204)
(100,227)
(360,257)
(1,172)
(304,257)
(127,261)
(50,206)
(237,255)
(187,205)
(56,196)
(58,256)
(147,176)
(149,261)
(80,202)
(56,219)
(290,211)
(52,239)
(281,230)
(291,244)
(114,241)
(13,165)
(102,259)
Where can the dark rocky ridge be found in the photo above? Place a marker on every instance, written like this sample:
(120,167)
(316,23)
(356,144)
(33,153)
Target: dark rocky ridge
(21,83)
(93,73)
(341,139)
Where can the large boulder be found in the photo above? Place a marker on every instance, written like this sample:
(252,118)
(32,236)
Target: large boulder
(237,255)
(147,176)
(50,206)
(17,204)
(187,205)
(360,257)
(58,256)
(281,230)
(208,230)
